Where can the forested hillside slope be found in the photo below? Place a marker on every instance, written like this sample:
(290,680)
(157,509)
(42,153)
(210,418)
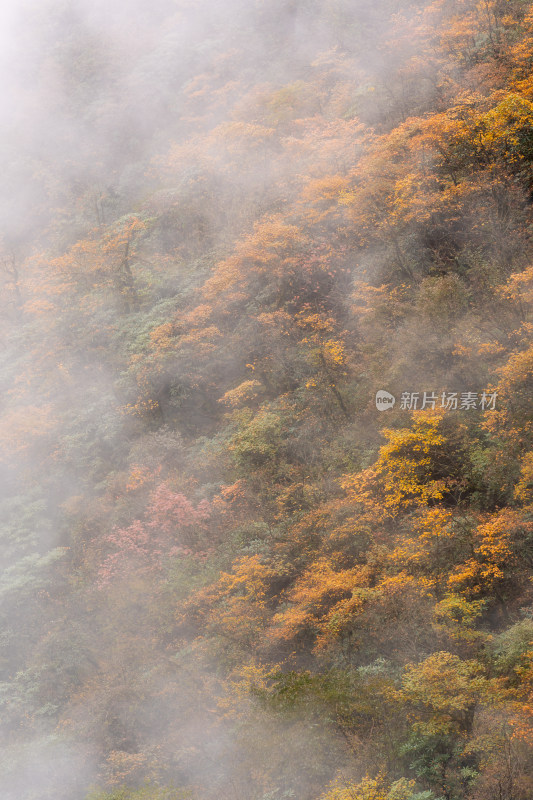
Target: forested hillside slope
(224,229)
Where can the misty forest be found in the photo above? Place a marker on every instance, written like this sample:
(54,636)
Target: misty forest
(266,408)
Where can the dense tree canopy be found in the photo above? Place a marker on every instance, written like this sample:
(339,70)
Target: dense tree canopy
(225,573)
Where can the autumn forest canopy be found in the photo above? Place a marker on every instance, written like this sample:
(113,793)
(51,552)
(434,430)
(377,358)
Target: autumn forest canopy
(226,574)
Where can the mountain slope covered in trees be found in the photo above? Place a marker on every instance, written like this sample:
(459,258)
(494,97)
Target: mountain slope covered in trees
(225,573)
